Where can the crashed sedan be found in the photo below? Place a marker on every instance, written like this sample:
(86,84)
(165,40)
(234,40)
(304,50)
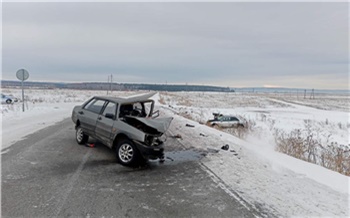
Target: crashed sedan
(129,126)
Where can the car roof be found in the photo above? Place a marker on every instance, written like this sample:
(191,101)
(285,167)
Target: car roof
(144,97)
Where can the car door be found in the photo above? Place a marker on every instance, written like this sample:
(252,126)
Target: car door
(234,121)
(104,124)
(225,122)
(88,115)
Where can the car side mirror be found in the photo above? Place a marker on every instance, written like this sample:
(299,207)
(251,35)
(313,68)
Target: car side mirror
(155,114)
(110,116)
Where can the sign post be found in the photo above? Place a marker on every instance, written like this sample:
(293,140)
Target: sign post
(22,75)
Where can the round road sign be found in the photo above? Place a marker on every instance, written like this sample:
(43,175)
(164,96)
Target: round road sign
(22,74)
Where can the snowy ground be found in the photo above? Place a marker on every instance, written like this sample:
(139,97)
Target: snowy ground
(268,180)
(42,108)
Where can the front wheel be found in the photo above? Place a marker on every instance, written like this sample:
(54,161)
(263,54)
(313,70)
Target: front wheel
(80,136)
(8,101)
(127,153)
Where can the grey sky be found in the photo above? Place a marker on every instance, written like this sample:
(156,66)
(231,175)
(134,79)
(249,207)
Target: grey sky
(301,45)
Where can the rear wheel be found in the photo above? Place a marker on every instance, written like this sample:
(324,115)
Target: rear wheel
(215,126)
(127,153)
(80,136)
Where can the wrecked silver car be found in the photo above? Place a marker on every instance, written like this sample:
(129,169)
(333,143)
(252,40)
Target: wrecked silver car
(127,125)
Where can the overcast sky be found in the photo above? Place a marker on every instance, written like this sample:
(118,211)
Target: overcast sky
(297,45)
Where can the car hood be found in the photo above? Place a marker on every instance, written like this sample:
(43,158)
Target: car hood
(160,124)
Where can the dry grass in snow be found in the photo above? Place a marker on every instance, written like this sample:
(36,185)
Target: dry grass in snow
(312,130)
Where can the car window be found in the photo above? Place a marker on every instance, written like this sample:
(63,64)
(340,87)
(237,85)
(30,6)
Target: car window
(111,108)
(147,106)
(125,109)
(95,106)
(234,119)
(137,106)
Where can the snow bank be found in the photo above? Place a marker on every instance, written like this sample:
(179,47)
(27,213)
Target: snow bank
(270,181)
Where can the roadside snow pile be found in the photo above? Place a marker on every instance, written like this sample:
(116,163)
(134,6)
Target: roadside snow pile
(271,182)
(310,134)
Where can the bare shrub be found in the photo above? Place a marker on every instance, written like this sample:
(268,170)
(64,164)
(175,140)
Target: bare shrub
(340,125)
(185,102)
(161,100)
(291,144)
(333,156)
(187,115)
(337,158)
(242,131)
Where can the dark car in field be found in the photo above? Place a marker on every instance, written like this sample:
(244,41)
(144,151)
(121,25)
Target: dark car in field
(129,126)
(225,121)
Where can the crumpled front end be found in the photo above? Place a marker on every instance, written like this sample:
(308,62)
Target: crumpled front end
(152,147)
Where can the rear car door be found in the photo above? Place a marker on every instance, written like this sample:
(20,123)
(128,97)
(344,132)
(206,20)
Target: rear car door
(234,121)
(89,114)
(225,122)
(105,121)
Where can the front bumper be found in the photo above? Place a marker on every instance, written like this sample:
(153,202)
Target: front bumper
(150,152)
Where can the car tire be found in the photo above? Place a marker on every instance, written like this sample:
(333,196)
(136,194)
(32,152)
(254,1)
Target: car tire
(127,153)
(80,136)
(216,126)
(8,101)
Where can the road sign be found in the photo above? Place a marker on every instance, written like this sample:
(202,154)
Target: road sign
(22,74)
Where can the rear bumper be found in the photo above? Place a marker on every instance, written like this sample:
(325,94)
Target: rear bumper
(150,152)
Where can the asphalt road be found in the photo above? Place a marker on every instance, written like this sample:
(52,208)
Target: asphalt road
(49,175)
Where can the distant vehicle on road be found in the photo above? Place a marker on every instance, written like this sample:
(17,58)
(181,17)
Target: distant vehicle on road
(225,121)
(127,125)
(7,99)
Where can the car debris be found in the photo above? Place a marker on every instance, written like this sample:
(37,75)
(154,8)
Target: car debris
(170,158)
(90,145)
(177,136)
(225,147)
(129,126)
(201,134)
(189,125)
(211,150)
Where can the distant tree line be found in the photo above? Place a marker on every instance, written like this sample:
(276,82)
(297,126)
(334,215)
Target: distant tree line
(117,86)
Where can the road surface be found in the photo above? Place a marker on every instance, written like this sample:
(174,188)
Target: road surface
(49,175)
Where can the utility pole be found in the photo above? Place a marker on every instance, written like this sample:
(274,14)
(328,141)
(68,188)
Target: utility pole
(110,85)
(312,95)
(297,94)
(107,83)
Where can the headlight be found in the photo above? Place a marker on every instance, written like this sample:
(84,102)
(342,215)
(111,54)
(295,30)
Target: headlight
(149,139)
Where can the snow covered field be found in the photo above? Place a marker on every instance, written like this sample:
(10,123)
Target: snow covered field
(42,108)
(268,180)
(276,122)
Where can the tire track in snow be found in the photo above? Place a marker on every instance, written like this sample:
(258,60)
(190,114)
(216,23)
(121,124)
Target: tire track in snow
(71,183)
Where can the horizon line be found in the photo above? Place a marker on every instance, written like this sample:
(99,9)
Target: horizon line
(188,84)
